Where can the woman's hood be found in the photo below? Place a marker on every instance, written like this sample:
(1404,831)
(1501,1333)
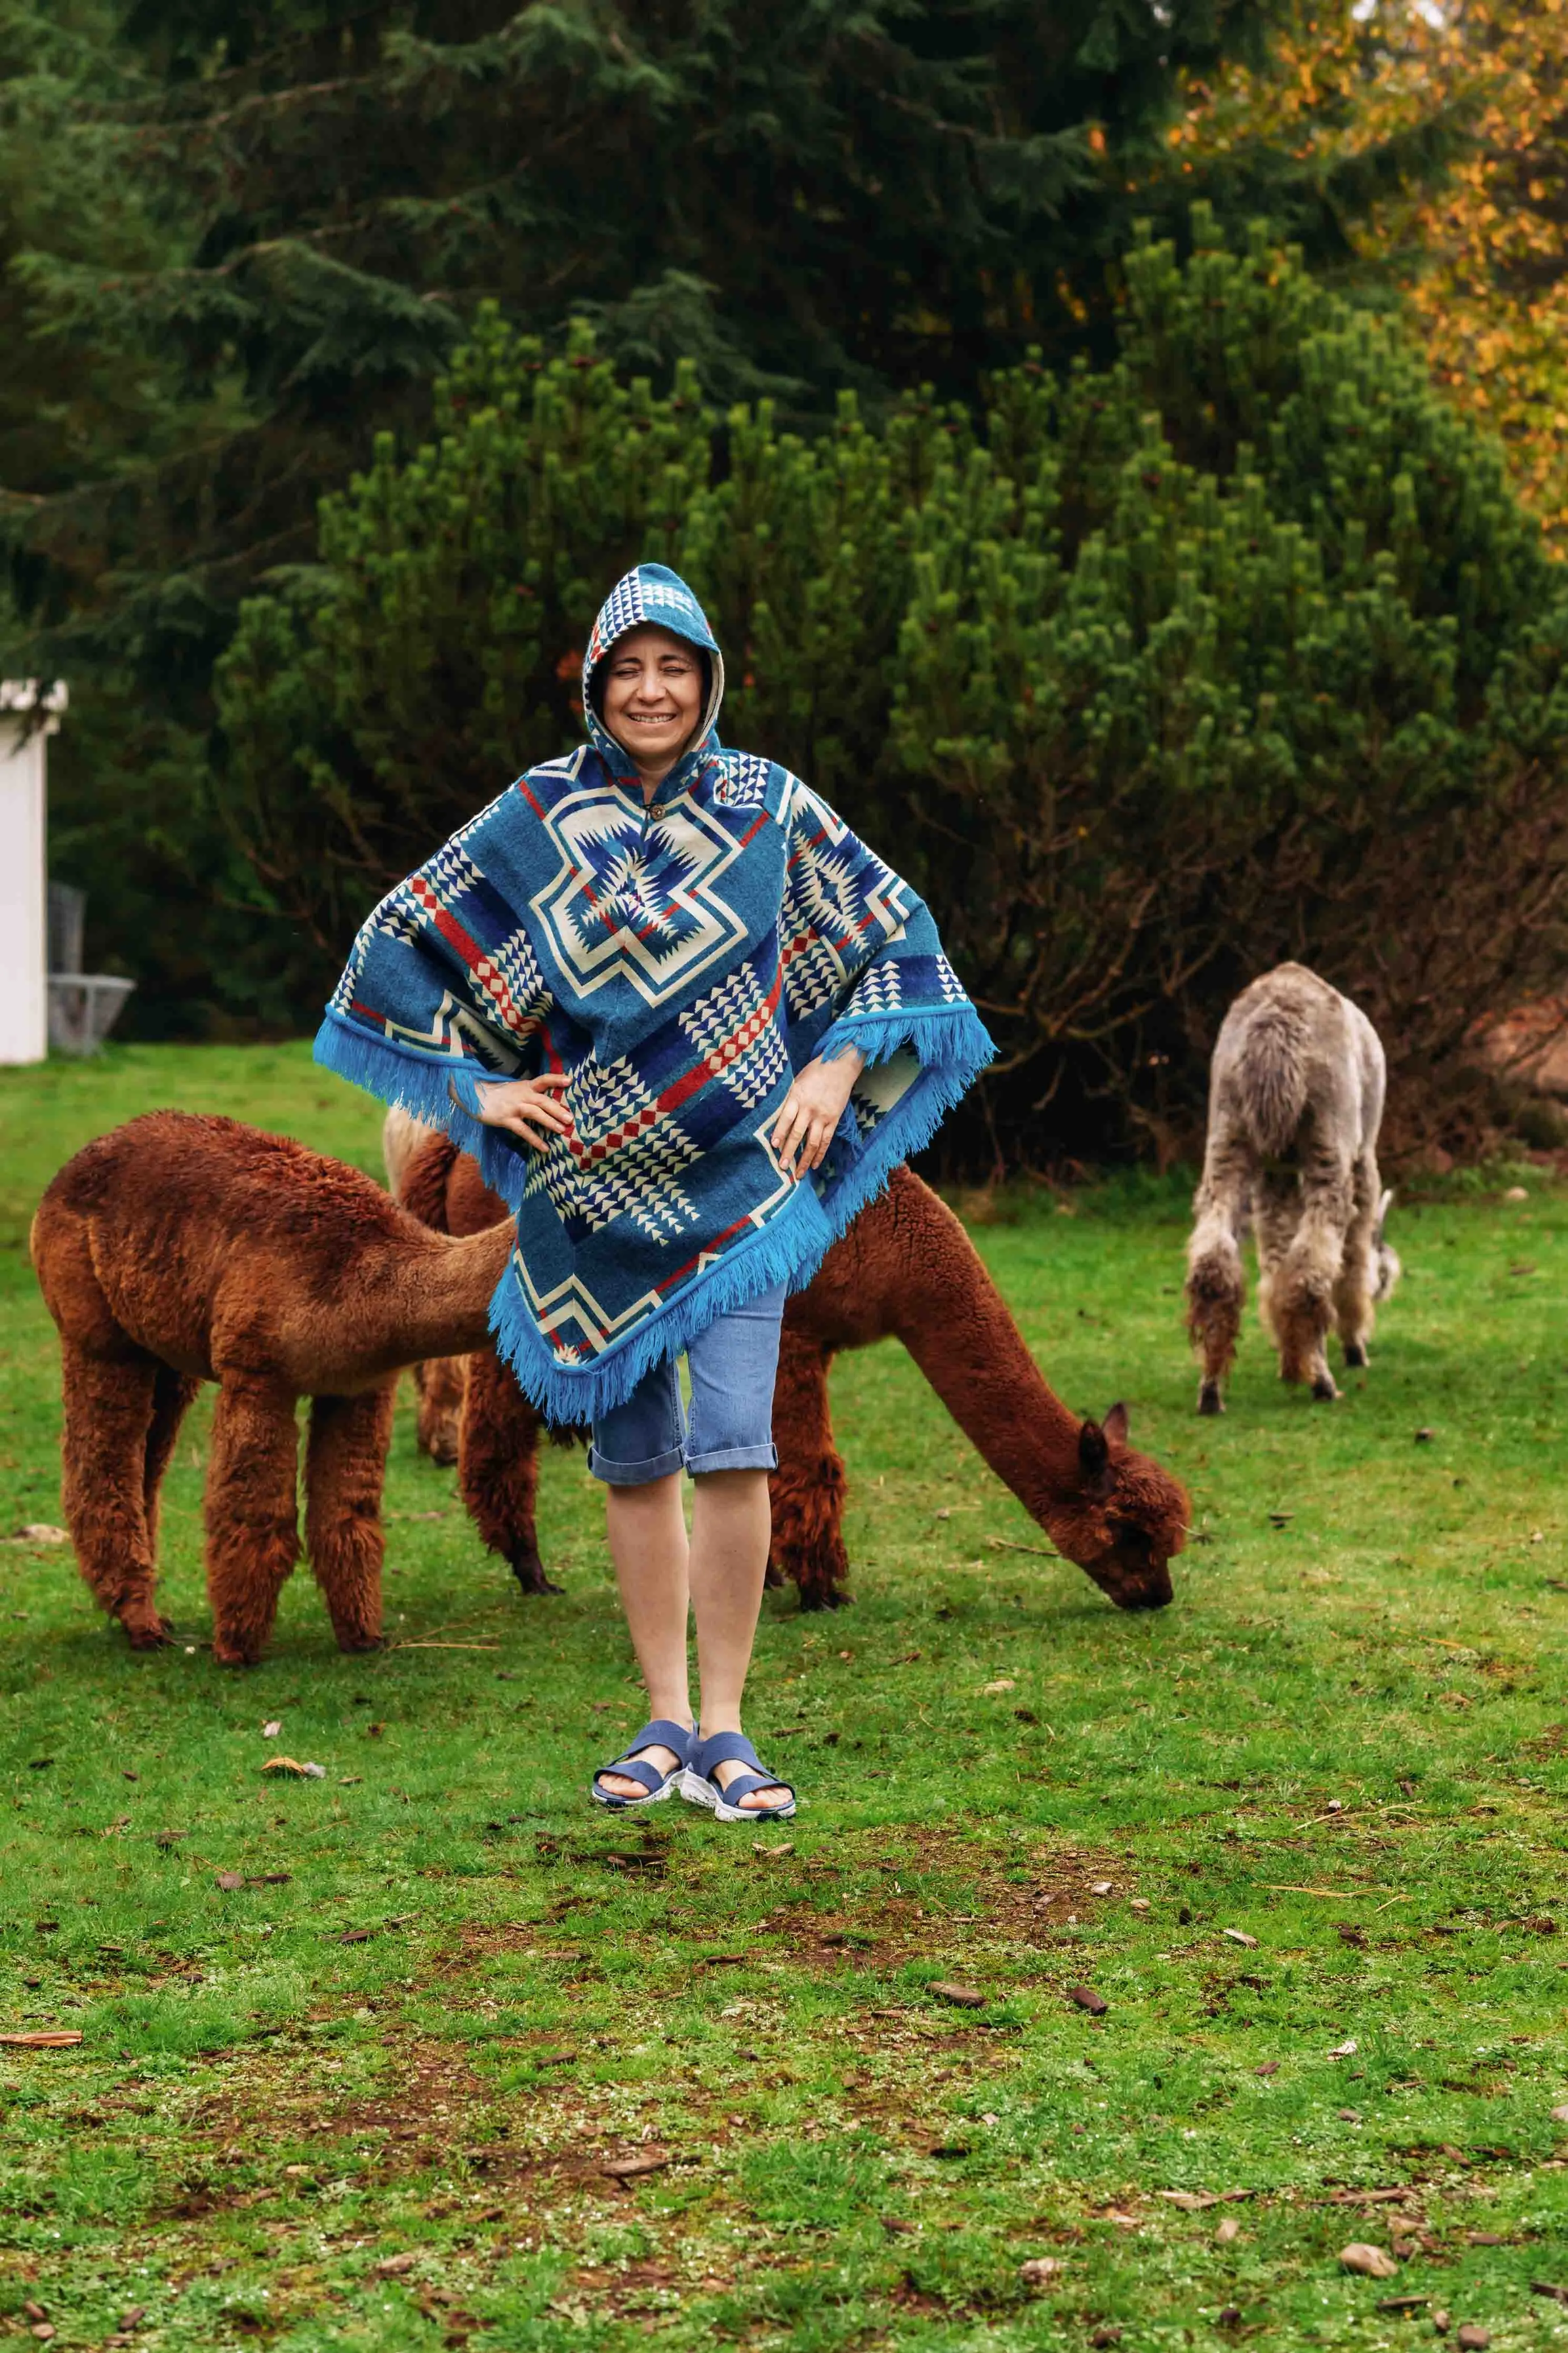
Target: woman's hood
(652,593)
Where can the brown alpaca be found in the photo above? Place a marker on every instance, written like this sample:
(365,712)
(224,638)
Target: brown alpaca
(906,1269)
(179,1249)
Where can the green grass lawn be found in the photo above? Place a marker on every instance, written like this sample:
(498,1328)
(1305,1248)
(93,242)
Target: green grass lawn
(369,2097)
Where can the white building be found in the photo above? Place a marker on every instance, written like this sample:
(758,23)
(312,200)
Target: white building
(24,861)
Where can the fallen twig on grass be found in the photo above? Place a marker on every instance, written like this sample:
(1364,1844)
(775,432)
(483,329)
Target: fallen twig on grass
(1337,1895)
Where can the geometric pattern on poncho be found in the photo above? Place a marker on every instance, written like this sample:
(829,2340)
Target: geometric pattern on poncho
(636,898)
(578,1325)
(622,1158)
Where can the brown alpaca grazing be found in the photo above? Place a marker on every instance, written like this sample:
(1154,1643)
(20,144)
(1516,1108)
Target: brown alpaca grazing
(906,1269)
(179,1249)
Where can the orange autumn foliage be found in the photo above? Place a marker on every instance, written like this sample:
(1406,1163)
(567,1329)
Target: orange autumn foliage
(1476,246)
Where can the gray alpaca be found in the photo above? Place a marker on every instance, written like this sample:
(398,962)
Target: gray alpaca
(1296,1092)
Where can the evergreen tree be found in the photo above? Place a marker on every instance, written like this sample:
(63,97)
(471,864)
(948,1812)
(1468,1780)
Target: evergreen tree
(793,199)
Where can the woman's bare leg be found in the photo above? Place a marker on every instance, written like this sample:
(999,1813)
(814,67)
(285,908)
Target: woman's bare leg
(647,1543)
(731,1526)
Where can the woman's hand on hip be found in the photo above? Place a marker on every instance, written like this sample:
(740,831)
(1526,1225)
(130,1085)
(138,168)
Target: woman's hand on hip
(813,1108)
(526,1106)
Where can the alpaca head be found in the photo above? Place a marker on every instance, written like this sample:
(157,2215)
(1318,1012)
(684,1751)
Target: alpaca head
(1126,1518)
(1385,1270)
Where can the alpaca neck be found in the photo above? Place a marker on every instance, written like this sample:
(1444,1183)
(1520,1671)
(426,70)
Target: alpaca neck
(441,1301)
(972,1354)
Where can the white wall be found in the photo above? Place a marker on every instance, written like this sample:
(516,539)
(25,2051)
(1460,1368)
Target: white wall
(24,855)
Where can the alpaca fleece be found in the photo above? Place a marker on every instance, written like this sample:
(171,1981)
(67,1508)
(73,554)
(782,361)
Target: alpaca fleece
(179,1249)
(1296,1092)
(680,961)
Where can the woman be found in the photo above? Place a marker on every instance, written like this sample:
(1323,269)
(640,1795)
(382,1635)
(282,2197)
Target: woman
(689,1024)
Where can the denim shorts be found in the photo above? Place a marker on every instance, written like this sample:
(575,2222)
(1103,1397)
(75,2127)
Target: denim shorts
(731,1426)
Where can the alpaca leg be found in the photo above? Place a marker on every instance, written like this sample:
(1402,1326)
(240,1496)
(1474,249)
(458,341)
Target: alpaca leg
(253,1538)
(173,1397)
(1353,1292)
(497,1468)
(345,1467)
(438,1383)
(109,1414)
(1276,1210)
(808,1485)
(1216,1283)
(1304,1299)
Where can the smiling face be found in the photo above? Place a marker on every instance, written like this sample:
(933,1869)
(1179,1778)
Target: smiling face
(651,692)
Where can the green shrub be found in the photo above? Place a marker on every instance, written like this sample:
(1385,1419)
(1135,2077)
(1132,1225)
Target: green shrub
(1235,650)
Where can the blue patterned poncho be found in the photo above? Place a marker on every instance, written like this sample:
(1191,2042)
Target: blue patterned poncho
(681,960)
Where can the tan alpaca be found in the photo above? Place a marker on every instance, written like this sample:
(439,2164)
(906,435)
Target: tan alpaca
(1296,1092)
(180,1250)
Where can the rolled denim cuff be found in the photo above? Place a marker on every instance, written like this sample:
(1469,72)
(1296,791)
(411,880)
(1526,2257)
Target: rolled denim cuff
(635,1474)
(736,1458)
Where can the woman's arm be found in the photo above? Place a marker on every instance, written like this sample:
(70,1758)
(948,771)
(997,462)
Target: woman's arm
(813,1108)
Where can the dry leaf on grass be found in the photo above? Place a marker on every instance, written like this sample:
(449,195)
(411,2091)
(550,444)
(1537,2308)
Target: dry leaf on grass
(1002,1683)
(1227,2229)
(229,1879)
(292,1765)
(1087,1998)
(1473,2337)
(1402,2303)
(1346,2050)
(272,1727)
(773,1853)
(1101,1888)
(1269,2067)
(963,1997)
(1559,2115)
(355,1937)
(46,2038)
(41,1532)
(391,2266)
(1039,2271)
(1372,2263)
(631,2169)
(1240,1937)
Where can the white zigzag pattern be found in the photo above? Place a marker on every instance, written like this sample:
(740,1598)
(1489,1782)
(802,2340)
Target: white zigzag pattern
(813,977)
(635,1177)
(880,990)
(745,782)
(730,1029)
(519,968)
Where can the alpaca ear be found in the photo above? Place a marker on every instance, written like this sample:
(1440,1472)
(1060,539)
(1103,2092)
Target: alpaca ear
(1117,1424)
(1093,1453)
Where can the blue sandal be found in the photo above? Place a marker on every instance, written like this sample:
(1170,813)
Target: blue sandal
(634,1766)
(700,1789)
